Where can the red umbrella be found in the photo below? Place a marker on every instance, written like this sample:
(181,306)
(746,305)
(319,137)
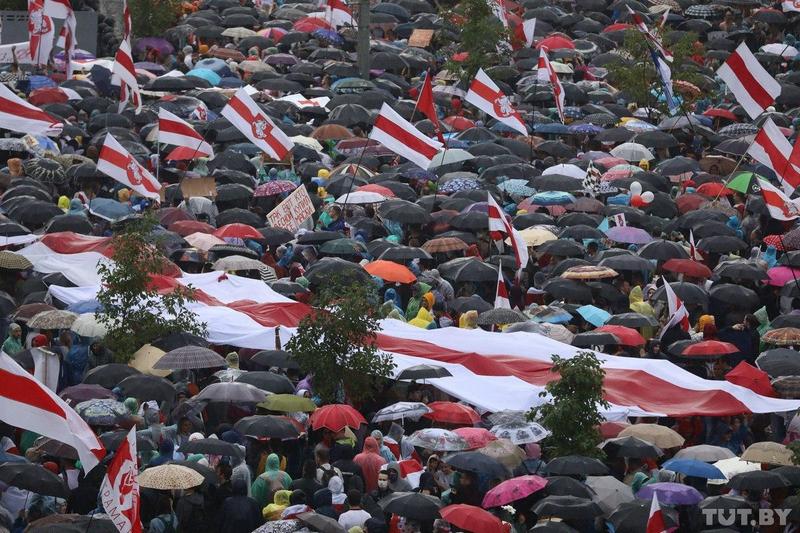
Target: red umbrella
(720,113)
(336,417)
(471,518)
(616,27)
(459,123)
(460,57)
(475,437)
(627,336)
(610,430)
(555,42)
(690,202)
(714,189)
(237,231)
(687,267)
(452,413)
(751,377)
(310,24)
(187,227)
(709,350)
(777,241)
(50,95)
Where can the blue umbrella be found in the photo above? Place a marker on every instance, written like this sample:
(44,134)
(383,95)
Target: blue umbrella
(594,315)
(693,467)
(555,128)
(329,35)
(585,129)
(109,209)
(212,63)
(231,83)
(459,184)
(209,75)
(552,198)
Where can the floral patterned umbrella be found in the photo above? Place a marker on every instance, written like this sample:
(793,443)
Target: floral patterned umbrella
(272,188)
(438,440)
(101,412)
(512,490)
(520,432)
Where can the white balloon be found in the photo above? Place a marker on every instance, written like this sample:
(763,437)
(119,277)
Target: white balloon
(636,188)
(648,196)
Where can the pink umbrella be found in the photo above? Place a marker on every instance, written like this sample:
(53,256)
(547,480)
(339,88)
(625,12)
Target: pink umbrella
(475,437)
(271,188)
(513,490)
(628,235)
(780,276)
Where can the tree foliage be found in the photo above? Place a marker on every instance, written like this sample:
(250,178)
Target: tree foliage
(636,75)
(337,343)
(135,313)
(573,416)
(152,17)
(480,32)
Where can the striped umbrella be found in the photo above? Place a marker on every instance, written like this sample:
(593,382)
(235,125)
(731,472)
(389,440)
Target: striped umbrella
(189,357)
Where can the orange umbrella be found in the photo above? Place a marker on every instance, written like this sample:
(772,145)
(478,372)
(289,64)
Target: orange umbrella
(390,271)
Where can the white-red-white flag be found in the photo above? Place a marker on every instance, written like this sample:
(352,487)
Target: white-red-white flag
(41,33)
(116,162)
(678,315)
(547,74)
(499,10)
(66,40)
(60,9)
(501,300)
(119,491)
(693,252)
(770,148)
(125,73)
(528,27)
(664,18)
(486,95)
(749,82)
(655,522)
(26,403)
(18,115)
(177,132)
(500,228)
(651,38)
(127,25)
(780,206)
(790,5)
(340,13)
(401,137)
(244,114)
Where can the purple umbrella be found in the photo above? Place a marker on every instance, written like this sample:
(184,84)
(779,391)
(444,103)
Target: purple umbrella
(481,207)
(78,55)
(281,59)
(162,45)
(628,235)
(671,493)
(155,68)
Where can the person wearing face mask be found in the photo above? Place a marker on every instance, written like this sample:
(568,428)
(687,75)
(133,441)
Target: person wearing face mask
(370,502)
(396,481)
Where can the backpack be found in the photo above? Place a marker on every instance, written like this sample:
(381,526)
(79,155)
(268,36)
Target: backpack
(327,474)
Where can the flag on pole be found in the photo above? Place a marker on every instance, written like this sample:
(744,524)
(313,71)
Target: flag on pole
(27,404)
(427,107)
(678,315)
(655,522)
(749,82)
(779,205)
(127,25)
(591,182)
(41,33)
(401,137)
(501,300)
(665,75)
(770,148)
(117,163)
(664,18)
(693,252)
(66,40)
(525,31)
(18,115)
(175,131)
(500,228)
(486,95)
(547,74)
(125,73)
(60,9)
(652,39)
(251,120)
(340,13)
(119,491)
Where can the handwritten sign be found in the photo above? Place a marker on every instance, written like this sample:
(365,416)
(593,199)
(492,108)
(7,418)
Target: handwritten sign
(420,38)
(293,211)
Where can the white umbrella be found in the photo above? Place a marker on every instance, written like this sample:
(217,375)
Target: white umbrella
(401,411)
(632,152)
(308,142)
(203,241)
(253,66)
(705,452)
(566,169)
(453,155)
(779,49)
(87,325)
(238,32)
(521,432)
(731,467)
(361,197)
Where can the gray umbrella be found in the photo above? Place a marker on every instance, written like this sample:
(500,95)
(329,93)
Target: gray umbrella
(231,393)
(500,316)
(189,357)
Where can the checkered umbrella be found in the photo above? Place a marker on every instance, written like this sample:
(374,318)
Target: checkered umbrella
(591,182)
(703,11)
(12,261)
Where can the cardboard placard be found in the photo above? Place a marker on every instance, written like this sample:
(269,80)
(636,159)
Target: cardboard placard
(420,38)
(191,187)
(293,211)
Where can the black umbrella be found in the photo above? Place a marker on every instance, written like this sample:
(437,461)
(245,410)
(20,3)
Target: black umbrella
(688,292)
(329,268)
(350,115)
(412,505)
(211,447)
(557,182)
(274,358)
(110,375)
(268,381)
(779,362)
(567,486)
(632,320)
(144,387)
(632,517)
(423,372)
(587,339)
(741,270)
(721,244)
(576,465)
(112,439)
(569,290)
(562,248)
(402,254)
(33,477)
(319,237)
(791,473)
(71,523)
(275,236)
(712,228)
(271,426)
(735,295)
(663,250)
(574,219)
(177,340)
(75,223)
(758,480)
(463,304)
(631,447)
(478,463)
(580,232)
(242,216)
(471,220)
(404,212)
(569,507)
(471,269)
(35,214)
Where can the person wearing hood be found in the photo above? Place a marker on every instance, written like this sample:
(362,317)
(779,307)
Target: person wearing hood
(165,452)
(338,497)
(370,460)
(424,319)
(396,481)
(383,450)
(297,505)
(270,481)
(240,513)
(415,303)
(13,344)
(468,320)
(280,501)
(323,503)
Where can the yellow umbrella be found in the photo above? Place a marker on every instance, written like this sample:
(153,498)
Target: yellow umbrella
(536,236)
(145,357)
(772,453)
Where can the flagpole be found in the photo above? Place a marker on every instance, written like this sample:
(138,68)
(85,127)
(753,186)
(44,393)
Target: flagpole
(533,117)
(353,179)
(739,162)
(796,283)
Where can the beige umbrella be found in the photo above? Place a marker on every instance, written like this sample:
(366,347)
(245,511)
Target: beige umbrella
(254,66)
(310,142)
(772,453)
(88,325)
(505,451)
(239,32)
(13,261)
(661,436)
(55,319)
(238,262)
(536,235)
(169,477)
(584,272)
(145,357)
(203,241)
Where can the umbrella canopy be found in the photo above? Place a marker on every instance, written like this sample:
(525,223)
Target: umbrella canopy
(33,477)
(336,417)
(512,490)
(228,392)
(575,465)
(671,493)
(169,477)
(694,468)
(471,518)
(768,452)
(412,505)
(267,426)
(188,358)
(661,436)
(452,413)
(438,440)
(704,452)
(401,411)
(287,403)
(630,447)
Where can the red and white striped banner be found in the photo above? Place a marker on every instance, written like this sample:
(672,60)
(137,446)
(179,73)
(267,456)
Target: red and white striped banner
(125,73)
(119,491)
(547,74)
(127,25)
(501,300)
(66,40)
(500,228)
(486,95)
(771,148)
(779,205)
(651,38)
(401,137)
(116,162)
(41,33)
(18,115)
(340,13)
(749,82)
(177,132)
(245,115)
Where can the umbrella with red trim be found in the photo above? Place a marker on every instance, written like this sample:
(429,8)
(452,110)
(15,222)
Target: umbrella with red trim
(751,377)
(627,336)
(459,123)
(687,267)
(708,350)
(336,417)
(472,519)
(619,26)
(309,24)
(714,189)
(452,413)
(475,437)
(237,231)
(380,189)
(716,112)
(610,430)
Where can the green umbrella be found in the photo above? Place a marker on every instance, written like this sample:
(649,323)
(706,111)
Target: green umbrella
(741,181)
(287,403)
